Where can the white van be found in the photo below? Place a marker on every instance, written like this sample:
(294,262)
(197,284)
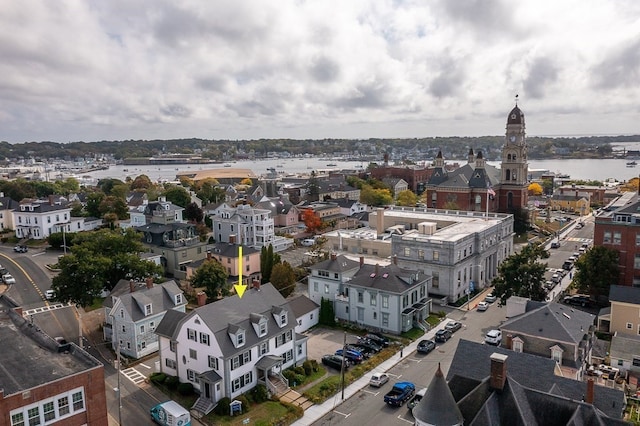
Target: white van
(308,242)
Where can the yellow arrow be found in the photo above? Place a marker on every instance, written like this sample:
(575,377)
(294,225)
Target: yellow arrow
(240,288)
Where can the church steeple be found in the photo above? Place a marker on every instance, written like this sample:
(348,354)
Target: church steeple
(439,174)
(470,156)
(514,168)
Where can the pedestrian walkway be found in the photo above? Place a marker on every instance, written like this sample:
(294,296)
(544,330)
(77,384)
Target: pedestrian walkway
(315,412)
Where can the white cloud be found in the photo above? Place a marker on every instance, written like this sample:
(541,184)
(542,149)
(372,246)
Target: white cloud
(313,69)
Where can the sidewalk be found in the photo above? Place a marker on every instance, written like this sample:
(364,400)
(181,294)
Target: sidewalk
(315,412)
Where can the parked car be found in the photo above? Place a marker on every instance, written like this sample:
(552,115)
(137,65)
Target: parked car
(374,346)
(354,356)
(416,398)
(555,245)
(442,336)
(378,379)
(426,346)
(378,339)
(364,350)
(482,306)
(578,300)
(50,294)
(493,337)
(335,361)
(8,279)
(21,249)
(490,298)
(567,265)
(579,225)
(308,242)
(453,326)
(400,393)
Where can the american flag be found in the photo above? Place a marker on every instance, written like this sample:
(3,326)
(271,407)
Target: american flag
(491,192)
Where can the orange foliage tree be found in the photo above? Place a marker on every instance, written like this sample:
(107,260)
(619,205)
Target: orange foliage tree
(311,221)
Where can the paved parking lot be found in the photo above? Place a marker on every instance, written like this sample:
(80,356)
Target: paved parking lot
(324,341)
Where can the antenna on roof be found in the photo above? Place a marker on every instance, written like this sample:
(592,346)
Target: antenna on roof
(516,99)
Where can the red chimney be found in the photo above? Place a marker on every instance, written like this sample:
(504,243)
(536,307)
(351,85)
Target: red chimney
(256,284)
(132,286)
(202,298)
(361,261)
(590,389)
(509,344)
(334,256)
(149,282)
(498,371)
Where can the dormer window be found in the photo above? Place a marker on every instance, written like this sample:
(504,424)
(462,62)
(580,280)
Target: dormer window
(518,345)
(283,319)
(556,354)
(262,329)
(147,309)
(240,338)
(179,299)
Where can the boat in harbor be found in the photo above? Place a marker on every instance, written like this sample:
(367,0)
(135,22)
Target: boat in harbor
(332,165)
(632,164)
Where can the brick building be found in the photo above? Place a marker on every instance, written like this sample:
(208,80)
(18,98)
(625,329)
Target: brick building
(477,183)
(43,381)
(415,176)
(617,227)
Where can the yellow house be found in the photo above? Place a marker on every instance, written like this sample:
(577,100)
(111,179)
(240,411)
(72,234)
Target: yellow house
(576,203)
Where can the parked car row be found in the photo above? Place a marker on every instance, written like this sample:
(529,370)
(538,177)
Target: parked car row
(356,352)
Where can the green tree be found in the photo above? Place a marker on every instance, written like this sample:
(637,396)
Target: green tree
(313,187)
(213,277)
(93,204)
(177,195)
(521,274)
(97,261)
(375,196)
(406,198)
(141,182)
(283,278)
(267,261)
(596,270)
(106,185)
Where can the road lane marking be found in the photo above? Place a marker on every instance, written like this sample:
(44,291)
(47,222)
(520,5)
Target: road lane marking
(134,375)
(145,366)
(342,414)
(371,392)
(404,420)
(397,376)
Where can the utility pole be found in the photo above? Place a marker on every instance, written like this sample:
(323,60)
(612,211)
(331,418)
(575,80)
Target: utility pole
(344,351)
(114,335)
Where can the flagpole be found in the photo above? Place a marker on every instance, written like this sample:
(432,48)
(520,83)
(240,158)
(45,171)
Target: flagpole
(486,213)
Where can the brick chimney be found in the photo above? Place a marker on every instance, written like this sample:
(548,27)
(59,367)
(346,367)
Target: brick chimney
(498,371)
(395,259)
(232,238)
(361,261)
(590,389)
(202,298)
(509,343)
(379,221)
(149,282)
(256,284)
(132,286)
(334,256)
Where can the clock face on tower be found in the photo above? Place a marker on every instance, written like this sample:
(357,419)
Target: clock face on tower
(512,138)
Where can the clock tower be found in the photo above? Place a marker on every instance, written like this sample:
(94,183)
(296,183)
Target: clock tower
(514,169)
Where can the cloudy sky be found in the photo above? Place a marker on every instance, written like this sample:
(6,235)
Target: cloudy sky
(236,69)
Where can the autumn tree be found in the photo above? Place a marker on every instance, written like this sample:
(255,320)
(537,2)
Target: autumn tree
(193,212)
(141,182)
(311,221)
(114,205)
(407,198)
(246,181)
(375,196)
(596,270)
(522,274)
(283,278)
(213,277)
(535,188)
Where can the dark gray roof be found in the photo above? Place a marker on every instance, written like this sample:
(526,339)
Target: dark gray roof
(390,278)
(277,206)
(161,297)
(623,293)
(553,321)
(29,358)
(169,323)
(471,365)
(231,250)
(437,406)
(339,264)
(569,197)
(465,177)
(345,203)
(235,312)
(7,203)
(302,305)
